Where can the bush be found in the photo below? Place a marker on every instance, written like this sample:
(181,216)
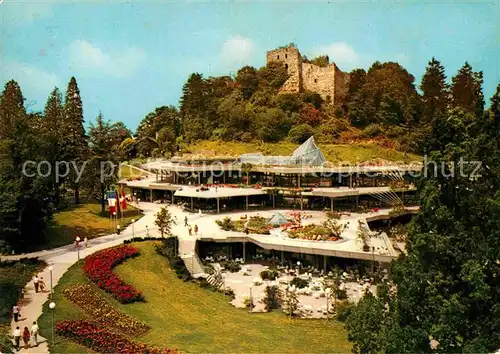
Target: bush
(372,130)
(300,133)
(231,266)
(168,250)
(269,274)
(341,294)
(299,282)
(226,224)
(344,309)
(139,239)
(272,299)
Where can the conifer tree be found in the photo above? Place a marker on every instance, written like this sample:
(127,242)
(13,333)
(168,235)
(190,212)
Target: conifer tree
(467,91)
(75,146)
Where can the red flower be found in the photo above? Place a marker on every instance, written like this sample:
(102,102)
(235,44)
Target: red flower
(98,268)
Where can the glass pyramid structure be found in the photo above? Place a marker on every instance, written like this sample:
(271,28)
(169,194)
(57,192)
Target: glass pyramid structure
(306,154)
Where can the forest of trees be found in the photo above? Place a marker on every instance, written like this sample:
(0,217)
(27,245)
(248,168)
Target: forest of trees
(448,284)
(383,105)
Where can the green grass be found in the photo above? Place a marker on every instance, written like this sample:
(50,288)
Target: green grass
(334,153)
(84,220)
(192,319)
(128,171)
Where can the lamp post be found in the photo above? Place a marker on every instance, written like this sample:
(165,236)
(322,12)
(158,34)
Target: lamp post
(250,304)
(133,228)
(78,248)
(298,268)
(328,291)
(223,285)
(52,306)
(51,286)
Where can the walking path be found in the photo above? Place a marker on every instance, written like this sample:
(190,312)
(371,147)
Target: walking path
(62,258)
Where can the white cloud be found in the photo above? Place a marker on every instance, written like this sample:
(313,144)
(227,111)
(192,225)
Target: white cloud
(19,13)
(237,51)
(340,53)
(33,81)
(122,63)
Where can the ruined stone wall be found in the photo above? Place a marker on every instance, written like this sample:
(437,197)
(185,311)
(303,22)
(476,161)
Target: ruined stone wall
(329,82)
(291,58)
(320,80)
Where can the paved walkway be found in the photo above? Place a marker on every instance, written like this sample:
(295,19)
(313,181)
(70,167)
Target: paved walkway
(62,258)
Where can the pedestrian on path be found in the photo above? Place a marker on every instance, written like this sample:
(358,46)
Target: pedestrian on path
(15,313)
(190,230)
(34,334)
(35,282)
(17,337)
(22,293)
(196,229)
(86,242)
(41,284)
(185,221)
(26,338)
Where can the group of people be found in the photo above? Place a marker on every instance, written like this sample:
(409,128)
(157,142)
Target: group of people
(85,242)
(30,337)
(190,229)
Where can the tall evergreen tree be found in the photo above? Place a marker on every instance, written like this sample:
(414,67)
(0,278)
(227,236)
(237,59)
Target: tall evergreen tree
(53,137)
(22,213)
(467,91)
(434,90)
(75,147)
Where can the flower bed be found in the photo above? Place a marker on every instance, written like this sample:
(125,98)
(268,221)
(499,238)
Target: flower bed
(90,335)
(94,305)
(98,268)
(311,232)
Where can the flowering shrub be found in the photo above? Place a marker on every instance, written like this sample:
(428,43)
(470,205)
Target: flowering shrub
(94,304)
(90,335)
(98,268)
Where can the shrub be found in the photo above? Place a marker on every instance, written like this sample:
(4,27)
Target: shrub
(231,266)
(90,335)
(372,130)
(269,274)
(96,306)
(300,133)
(98,268)
(168,250)
(299,282)
(341,294)
(225,224)
(272,299)
(344,309)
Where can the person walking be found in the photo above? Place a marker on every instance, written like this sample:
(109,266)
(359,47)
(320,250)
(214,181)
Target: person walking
(190,230)
(22,293)
(35,282)
(26,338)
(86,242)
(17,338)
(34,334)
(15,313)
(185,221)
(196,230)
(41,285)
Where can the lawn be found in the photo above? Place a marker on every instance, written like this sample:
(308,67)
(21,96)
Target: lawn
(185,316)
(334,153)
(129,171)
(84,220)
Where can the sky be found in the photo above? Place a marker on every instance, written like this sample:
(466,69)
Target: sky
(131,57)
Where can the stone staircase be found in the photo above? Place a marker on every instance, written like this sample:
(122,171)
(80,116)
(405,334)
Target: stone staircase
(215,280)
(187,251)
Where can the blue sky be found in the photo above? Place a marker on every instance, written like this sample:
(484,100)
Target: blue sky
(129,58)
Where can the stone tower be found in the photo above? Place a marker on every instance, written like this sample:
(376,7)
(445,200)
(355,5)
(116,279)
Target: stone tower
(328,81)
(292,59)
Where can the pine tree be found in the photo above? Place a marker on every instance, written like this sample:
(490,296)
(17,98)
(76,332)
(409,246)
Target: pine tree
(75,146)
(466,90)
(434,90)
(51,128)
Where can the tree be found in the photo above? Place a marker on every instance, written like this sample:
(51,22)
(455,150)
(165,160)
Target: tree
(271,125)
(248,81)
(158,130)
(23,195)
(333,225)
(300,133)
(53,119)
(466,90)
(273,75)
(165,222)
(101,170)
(290,301)
(435,90)
(272,297)
(247,168)
(74,143)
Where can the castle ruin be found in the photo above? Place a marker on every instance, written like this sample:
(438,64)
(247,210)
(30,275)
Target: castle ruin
(328,81)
